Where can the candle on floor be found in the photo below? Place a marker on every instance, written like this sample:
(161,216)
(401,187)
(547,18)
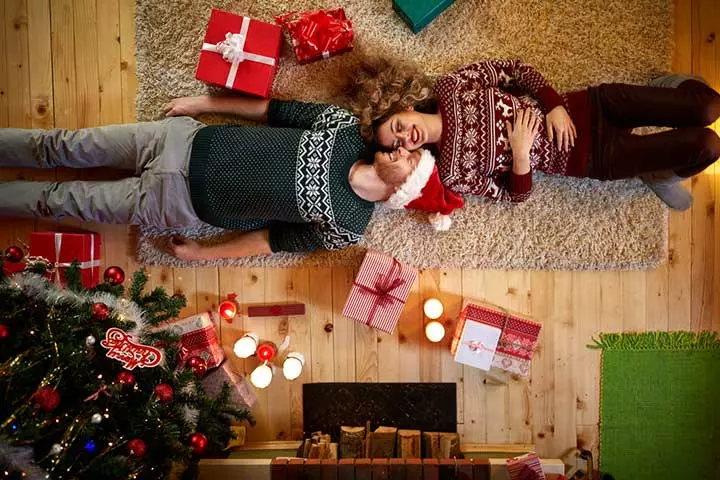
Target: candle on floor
(433,308)
(434,331)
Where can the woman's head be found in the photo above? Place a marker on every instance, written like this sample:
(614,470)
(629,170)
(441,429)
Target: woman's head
(408,129)
(383,87)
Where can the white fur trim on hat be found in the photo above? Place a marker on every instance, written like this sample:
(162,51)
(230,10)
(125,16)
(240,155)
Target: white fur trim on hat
(440,222)
(416,181)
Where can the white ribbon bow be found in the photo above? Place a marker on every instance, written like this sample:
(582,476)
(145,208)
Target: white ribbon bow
(233,51)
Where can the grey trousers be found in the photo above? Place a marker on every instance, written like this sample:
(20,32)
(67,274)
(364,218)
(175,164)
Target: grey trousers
(155,154)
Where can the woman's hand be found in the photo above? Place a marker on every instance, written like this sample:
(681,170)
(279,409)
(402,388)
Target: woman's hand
(561,128)
(186,249)
(521,138)
(186,106)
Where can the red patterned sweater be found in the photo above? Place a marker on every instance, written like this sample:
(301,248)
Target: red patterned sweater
(475,155)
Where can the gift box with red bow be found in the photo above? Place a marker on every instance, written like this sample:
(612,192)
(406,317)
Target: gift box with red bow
(198,338)
(380,291)
(240,53)
(318,34)
(58,250)
(513,350)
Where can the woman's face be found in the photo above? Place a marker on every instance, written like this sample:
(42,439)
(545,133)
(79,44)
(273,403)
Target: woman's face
(395,167)
(405,129)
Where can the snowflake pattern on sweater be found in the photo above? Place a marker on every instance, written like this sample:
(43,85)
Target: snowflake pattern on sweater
(475,154)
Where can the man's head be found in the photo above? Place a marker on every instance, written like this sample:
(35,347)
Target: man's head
(417,186)
(396,166)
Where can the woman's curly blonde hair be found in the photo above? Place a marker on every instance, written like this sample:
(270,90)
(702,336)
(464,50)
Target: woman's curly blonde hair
(383,86)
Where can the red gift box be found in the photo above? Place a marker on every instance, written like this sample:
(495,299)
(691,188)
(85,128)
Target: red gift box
(525,466)
(61,249)
(240,53)
(517,340)
(319,34)
(198,338)
(379,292)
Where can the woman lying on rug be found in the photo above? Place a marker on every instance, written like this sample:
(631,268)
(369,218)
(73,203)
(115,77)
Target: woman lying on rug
(296,186)
(484,121)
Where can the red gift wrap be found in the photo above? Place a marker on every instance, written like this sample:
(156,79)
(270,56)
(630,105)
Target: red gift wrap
(520,467)
(198,338)
(240,53)
(517,340)
(319,34)
(380,291)
(59,250)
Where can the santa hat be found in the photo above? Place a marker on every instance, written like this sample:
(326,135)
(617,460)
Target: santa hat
(424,191)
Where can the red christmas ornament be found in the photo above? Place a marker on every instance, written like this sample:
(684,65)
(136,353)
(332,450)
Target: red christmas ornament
(164,392)
(198,365)
(265,352)
(137,448)
(198,443)
(114,275)
(14,254)
(228,310)
(47,399)
(100,311)
(4,332)
(126,378)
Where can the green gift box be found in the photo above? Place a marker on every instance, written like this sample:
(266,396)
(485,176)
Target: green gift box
(419,13)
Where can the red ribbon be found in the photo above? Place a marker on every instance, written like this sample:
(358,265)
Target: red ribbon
(317,34)
(96,395)
(383,288)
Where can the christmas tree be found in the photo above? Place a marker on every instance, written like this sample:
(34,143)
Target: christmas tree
(90,388)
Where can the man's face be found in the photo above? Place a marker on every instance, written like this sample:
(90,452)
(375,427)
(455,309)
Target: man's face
(395,167)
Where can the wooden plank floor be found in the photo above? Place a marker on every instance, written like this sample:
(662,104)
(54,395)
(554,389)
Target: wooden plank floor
(71,63)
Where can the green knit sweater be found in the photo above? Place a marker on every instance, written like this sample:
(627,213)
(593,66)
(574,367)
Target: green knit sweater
(290,177)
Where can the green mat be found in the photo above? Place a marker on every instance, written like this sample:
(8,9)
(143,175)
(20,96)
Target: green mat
(660,403)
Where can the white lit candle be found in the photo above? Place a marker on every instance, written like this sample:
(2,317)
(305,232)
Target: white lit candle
(434,331)
(261,376)
(433,308)
(293,365)
(246,345)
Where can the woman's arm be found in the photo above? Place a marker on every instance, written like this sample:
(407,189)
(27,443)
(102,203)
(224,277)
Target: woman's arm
(255,109)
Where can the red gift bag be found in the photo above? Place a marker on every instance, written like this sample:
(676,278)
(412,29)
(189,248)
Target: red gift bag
(319,34)
(61,249)
(240,53)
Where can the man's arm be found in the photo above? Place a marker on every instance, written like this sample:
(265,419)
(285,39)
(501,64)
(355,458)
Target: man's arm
(255,109)
(247,244)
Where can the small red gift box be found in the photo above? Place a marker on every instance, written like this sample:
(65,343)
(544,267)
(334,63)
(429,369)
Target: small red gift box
(517,339)
(240,53)
(61,249)
(380,291)
(319,34)
(525,466)
(198,338)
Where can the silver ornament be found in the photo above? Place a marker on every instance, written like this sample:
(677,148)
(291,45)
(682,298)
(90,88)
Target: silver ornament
(55,449)
(96,418)
(90,340)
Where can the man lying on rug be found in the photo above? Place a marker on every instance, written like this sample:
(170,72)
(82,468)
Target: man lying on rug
(295,186)
(484,121)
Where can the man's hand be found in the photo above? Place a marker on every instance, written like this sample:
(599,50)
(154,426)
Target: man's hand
(187,106)
(186,249)
(521,138)
(561,128)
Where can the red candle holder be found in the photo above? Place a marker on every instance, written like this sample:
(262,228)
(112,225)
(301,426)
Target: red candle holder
(265,352)
(228,310)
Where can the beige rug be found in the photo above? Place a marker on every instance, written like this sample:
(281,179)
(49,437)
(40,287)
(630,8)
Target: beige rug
(566,224)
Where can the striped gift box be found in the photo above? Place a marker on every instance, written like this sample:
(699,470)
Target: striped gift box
(378,295)
(525,467)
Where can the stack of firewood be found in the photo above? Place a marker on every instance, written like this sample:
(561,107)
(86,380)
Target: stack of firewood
(389,442)
(320,446)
